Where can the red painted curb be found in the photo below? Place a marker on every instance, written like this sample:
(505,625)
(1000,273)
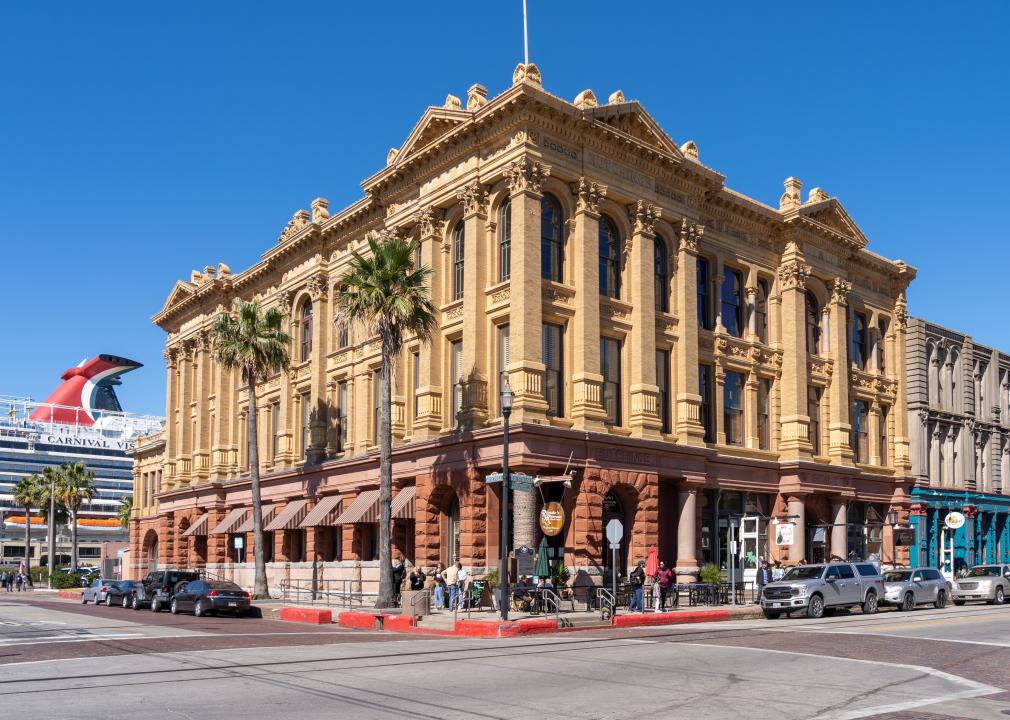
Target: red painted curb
(70,594)
(360,621)
(481,628)
(398,623)
(306,615)
(671,618)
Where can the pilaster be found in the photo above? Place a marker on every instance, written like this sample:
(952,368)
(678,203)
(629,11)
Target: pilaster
(319,292)
(475,407)
(689,428)
(839,422)
(792,275)
(429,391)
(644,419)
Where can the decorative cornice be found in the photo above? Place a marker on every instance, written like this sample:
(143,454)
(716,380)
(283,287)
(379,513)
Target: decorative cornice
(525,175)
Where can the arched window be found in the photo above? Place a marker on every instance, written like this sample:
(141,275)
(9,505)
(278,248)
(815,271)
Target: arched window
(457,261)
(610,259)
(505,241)
(732,302)
(661,275)
(813,324)
(552,258)
(453,528)
(305,331)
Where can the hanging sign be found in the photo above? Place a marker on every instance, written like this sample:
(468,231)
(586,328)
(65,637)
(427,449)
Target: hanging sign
(784,534)
(552,519)
(954,520)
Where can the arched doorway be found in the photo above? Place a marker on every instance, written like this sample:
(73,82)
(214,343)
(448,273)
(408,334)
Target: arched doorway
(149,551)
(450,550)
(613,508)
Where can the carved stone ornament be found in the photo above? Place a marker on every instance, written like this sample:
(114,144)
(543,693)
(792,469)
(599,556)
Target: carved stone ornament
(690,235)
(203,341)
(320,210)
(284,299)
(793,275)
(526,175)
(299,220)
(840,290)
(643,216)
(317,286)
(171,354)
(589,194)
(429,220)
(474,199)
(528,73)
(501,296)
(901,312)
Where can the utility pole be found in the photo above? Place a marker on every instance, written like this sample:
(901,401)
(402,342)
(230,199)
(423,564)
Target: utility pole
(51,529)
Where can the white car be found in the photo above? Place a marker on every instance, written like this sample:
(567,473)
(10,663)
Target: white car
(983,582)
(97,592)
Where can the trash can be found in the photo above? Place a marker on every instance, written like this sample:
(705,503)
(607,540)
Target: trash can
(415,602)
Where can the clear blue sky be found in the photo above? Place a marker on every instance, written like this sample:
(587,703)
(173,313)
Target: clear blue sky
(141,140)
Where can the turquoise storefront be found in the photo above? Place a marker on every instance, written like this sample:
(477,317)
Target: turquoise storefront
(984,537)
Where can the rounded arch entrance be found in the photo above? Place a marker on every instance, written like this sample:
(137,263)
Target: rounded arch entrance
(446,501)
(149,550)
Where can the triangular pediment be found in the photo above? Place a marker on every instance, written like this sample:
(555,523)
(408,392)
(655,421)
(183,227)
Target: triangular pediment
(435,122)
(631,119)
(831,214)
(180,292)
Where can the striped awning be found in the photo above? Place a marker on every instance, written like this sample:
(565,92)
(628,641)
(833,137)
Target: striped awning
(324,513)
(198,528)
(231,521)
(365,508)
(267,512)
(404,504)
(289,517)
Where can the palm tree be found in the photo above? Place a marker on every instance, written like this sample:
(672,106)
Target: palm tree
(386,292)
(254,344)
(76,486)
(124,511)
(29,493)
(52,477)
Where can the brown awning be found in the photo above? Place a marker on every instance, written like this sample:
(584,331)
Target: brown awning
(404,504)
(198,528)
(324,513)
(365,508)
(289,517)
(267,512)
(231,521)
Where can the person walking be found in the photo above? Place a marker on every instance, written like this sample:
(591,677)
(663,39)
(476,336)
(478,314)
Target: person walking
(778,571)
(664,577)
(762,578)
(463,580)
(637,579)
(440,587)
(3,580)
(451,577)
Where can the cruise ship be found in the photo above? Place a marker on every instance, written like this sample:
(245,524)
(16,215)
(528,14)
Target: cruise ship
(81,421)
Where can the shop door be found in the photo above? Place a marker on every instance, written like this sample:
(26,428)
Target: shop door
(753,546)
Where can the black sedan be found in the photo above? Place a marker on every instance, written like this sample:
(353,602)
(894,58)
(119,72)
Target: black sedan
(121,593)
(206,596)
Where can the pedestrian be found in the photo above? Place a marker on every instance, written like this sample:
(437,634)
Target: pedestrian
(762,578)
(637,579)
(440,587)
(777,571)
(463,580)
(664,576)
(3,580)
(417,578)
(398,573)
(451,577)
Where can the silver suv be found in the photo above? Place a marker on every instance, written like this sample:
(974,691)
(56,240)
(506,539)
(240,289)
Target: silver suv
(904,589)
(983,582)
(819,590)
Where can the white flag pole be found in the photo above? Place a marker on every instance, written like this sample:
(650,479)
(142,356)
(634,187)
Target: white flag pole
(526,41)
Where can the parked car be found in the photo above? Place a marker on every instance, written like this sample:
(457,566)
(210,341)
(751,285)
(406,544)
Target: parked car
(983,582)
(157,589)
(97,591)
(121,593)
(210,596)
(904,589)
(819,590)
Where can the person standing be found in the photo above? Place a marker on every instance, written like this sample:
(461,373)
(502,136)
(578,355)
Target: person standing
(778,571)
(399,571)
(637,579)
(417,578)
(762,578)
(664,576)
(440,587)
(451,577)
(463,580)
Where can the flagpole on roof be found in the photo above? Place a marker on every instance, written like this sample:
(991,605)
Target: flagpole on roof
(526,41)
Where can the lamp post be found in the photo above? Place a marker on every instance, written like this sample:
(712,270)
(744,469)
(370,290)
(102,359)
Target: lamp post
(892,520)
(503,573)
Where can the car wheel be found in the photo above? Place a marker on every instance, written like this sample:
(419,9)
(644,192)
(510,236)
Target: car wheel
(815,608)
(135,603)
(870,604)
(908,603)
(959,603)
(997,597)
(155,605)
(174,607)
(84,599)
(941,600)
(198,610)
(126,602)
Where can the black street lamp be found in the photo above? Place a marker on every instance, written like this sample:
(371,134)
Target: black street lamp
(503,573)
(892,520)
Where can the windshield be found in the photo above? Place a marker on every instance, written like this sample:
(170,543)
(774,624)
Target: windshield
(896,576)
(810,572)
(224,586)
(984,571)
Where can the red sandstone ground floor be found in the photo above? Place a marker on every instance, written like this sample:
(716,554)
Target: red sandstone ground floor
(321,520)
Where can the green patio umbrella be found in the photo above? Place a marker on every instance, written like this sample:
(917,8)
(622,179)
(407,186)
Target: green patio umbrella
(543,566)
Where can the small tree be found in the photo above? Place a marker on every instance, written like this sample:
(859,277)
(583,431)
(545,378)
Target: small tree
(76,486)
(390,296)
(29,493)
(253,343)
(124,511)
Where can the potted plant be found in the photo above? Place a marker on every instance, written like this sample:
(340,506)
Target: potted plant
(559,576)
(491,581)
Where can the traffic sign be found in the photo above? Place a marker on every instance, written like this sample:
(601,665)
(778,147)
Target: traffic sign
(517,481)
(615,532)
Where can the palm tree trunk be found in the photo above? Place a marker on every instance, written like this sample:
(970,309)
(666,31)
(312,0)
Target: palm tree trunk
(28,543)
(260,589)
(73,539)
(386,590)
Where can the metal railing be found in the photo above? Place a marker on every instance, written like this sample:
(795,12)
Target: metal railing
(551,599)
(416,598)
(606,601)
(328,592)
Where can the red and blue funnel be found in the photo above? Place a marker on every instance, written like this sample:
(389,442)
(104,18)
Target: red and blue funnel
(86,392)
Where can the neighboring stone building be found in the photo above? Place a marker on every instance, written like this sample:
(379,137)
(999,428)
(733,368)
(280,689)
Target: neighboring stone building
(695,356)
(959,413)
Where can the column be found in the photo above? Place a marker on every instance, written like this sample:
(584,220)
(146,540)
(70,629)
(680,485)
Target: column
(429,391)
(184,450)
(201,405)
(587,410)
(689,428)
(798,516)
(935,471)
(221,394)
(839,427)
(475,409)
(794,443)
(716,280)
(644,418)
(718,416)
(839,529)
(897,369)
(751,295)
(285,446)
(171,355)
(319,291)
(750,408)
(526,367)
(687,530)
(874,430)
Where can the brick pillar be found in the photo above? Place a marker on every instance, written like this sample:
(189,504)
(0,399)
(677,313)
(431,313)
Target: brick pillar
(587,411)
(644,419)
(426,545)
(429,391)
(473,522)
(839,427)
(217,545)
(475,365)
(793,273)
(689,428)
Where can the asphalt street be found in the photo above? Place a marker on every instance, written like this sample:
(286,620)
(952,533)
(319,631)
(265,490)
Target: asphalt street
(62,660)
